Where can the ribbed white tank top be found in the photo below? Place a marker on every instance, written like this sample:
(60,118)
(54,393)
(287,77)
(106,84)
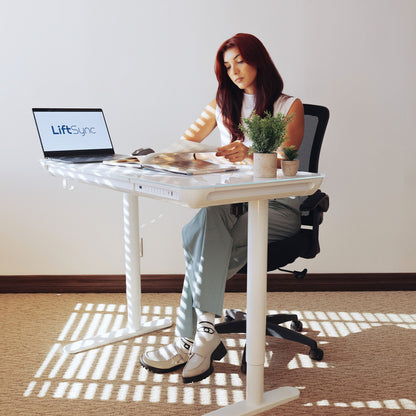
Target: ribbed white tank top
(282,105)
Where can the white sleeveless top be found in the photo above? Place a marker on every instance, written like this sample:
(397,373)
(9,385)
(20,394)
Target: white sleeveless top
(281,105)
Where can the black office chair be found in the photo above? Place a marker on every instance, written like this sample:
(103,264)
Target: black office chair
(303,244)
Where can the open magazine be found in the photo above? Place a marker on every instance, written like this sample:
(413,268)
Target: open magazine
(183,158)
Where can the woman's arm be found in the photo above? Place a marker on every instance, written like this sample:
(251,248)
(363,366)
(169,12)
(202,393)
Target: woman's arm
(295,128)
(203,126)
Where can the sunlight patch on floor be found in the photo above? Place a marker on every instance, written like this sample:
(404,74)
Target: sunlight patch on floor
(96,374)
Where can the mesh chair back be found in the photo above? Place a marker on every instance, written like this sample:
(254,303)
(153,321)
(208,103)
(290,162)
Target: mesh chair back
(316,120)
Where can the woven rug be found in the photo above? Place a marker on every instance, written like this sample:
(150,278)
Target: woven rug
(368,338)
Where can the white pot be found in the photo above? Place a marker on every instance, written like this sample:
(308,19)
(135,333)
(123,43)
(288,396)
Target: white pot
(265,165)
(290,167)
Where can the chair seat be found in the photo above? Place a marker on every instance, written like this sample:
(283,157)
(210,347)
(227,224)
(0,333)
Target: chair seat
(289,249)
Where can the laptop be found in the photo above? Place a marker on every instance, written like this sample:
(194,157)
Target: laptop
(74,135)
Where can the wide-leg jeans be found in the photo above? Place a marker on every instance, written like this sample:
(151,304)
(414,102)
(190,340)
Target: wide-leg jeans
(215,248)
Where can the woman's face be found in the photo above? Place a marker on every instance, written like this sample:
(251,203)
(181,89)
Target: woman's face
(242,74)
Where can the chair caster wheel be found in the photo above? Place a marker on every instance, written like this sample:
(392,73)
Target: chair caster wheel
(296,326)
(316,354)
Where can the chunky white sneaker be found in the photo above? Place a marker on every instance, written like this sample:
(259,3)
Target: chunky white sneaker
(168,358)
(207,347)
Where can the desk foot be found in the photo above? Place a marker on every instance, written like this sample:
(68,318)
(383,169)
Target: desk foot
(271,399)
(118,335)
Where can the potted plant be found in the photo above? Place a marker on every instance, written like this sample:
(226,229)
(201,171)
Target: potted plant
(290,164)
(267,133)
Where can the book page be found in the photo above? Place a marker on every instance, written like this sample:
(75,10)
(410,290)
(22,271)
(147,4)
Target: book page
(132,162)
(186,163)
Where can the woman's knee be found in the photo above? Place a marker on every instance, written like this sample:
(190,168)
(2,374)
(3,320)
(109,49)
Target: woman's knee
(209,217)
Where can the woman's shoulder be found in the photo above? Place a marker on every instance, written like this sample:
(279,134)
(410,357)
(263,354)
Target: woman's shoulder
(283,103)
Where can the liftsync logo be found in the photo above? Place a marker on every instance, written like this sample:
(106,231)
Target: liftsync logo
(64,129)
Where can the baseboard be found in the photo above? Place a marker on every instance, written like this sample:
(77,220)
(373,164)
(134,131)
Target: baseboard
(313,282)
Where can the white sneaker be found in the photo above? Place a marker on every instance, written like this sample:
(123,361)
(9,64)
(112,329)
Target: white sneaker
(207,347)
(168,358)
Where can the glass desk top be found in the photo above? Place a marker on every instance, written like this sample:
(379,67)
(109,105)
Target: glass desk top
(194,191)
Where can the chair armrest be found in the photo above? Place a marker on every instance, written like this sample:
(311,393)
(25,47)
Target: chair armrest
(318,200)
(313,208)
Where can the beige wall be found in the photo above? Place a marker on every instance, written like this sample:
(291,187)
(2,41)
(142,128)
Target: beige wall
(150,66)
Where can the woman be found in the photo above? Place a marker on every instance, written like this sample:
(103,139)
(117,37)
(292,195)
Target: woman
(215,241)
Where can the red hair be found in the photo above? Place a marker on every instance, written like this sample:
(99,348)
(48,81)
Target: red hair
(269,83)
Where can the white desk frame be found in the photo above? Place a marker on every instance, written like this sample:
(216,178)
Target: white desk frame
(197,192)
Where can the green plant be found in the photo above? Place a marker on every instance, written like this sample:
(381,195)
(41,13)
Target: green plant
(266,133)
(290,152)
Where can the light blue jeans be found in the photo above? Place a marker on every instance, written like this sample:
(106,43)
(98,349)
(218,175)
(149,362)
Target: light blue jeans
(215,246)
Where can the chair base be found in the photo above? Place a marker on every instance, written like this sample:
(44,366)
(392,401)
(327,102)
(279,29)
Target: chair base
(235,323)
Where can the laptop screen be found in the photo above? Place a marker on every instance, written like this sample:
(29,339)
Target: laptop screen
(72,131)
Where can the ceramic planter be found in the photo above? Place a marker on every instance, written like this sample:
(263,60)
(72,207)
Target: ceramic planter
(290,167)
(265,165)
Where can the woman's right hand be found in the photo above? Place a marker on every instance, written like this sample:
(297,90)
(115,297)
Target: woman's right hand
(234,151)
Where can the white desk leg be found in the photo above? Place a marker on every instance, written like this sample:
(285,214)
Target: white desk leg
(256,400)
(133,287)
(256,299)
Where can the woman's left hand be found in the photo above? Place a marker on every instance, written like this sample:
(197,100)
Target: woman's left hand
(234,152)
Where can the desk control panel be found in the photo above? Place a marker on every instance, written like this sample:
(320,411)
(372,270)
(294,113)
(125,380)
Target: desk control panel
(156,191)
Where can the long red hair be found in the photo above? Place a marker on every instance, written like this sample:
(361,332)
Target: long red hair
(269,83)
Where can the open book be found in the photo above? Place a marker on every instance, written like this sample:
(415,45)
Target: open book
(188,163)
(184,158)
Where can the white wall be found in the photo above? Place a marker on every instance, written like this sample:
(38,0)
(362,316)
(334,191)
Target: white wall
(150,66)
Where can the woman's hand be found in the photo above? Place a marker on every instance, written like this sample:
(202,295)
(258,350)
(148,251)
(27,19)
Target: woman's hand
(234,152)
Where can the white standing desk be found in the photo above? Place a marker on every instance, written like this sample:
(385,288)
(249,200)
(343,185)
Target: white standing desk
(196,192)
